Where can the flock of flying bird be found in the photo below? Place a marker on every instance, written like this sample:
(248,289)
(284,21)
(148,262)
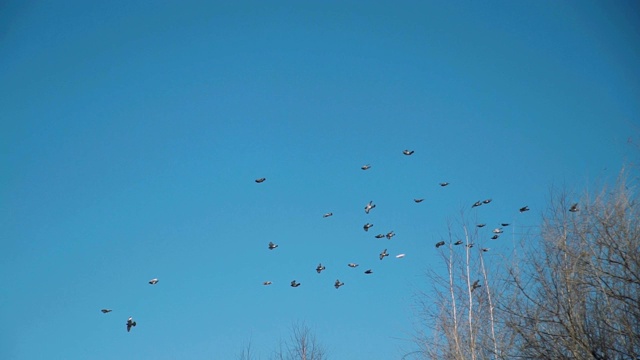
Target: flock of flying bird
(367,208)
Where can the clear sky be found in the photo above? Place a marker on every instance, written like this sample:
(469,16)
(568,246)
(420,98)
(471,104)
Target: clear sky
(131,133)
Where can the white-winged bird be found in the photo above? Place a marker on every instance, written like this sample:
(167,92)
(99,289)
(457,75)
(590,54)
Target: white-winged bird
(352,265)
(153,281)
(408,152)
(486,201)
(130,323)
(383,254)
(497,231)
(369,206)
(327,215)
(367,226)
(477,203)
(267,283)
(337,284)
(366,167)
(272,245)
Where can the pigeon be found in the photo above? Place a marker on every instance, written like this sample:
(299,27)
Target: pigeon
(475,285)
(352,265)
(366,167)
(272,245)
(368,271)
(470,245)
(294,283)
(497,231)
(153,281)
(379,236)
(130,323)
(327,215)
(524,208)
(481,225)
(408,152)
(504,224)
(441,243)
(267,283)
(261,180)
(383,254)
(443,184)
(486,201)
(457,242)
(494,237)
(477,203)
(400,256)
(485,249)
(390,234)
(337,284)
(418,200)
(319,268)
(367,226)
(104,311)
(574,208)
(369,206)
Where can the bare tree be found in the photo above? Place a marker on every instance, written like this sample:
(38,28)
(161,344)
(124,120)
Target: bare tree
(301,345)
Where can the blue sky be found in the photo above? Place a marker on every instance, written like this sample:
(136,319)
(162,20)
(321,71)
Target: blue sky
(132,133)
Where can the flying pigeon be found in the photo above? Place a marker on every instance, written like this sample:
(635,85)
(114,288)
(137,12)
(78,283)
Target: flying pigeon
(390,234)
(319,268)
(443,184)
(400,256)
(366,167)
(485,249)
(441,243)
(524,208)
(383,254)
(574,208)
(494,237)
(497,231)
(486,201)
(338,284)
(418,200)
(504,224)
(470,245)
(130,323)
(477,203)
(367,226)
(408,152)
(457,242)
(267,283)
(352,265)
(379,236)
(327,215)
(261,180)
(368,271)
(104,311)
(369,206)
(153,281)
(481,225)
(294,283)
(272,245)
(475,285)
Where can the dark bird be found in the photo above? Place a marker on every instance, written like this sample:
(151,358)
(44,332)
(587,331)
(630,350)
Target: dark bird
(352,265)
(383,254)
(504,224)
(379,236)
(130,323)
(319,268)
(524,208)
(441,243)
(390,234)
(470,245)
(368,272)
(153,281)
(272,245)
(267,283)
(486,201)
(408,152)
(443,184)
(485,249)
(481,225)
(367,226)
(418,200)
(457,242)
(574,208)
(104,311)
(294,283)
(497,231)
(261,180)
(369,206)
(327,215)
(477,203)
(366,167)
(475,285)
(494,237)
(337,284)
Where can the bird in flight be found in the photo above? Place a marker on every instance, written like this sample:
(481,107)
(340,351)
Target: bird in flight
(383,254)
(408,152)
(327,215)
(369,271)
(390,234)
(369,206)
(367,226)
(267,283)
(104,311)
(524,208)
(475,285)
(574,208)
(441,243)
(153,281)
(485,249)
(294,283)
(497,231)
(418,200)
(477,203)
(337,284)
(457,242)
(130,323)
(400,256)
(495,237)
(272,245)
(486,201)
(319,268)
(481,225)
(443,184)
(504,224)
(352,265)
(260,180)
(379,236)
(366,167)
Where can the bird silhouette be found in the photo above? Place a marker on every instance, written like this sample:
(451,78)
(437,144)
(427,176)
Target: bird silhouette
(327,215)
(574,208)
(319,268)
(267,283)
(337,284)
(486,201)
(408,152)
(457,242)
(524,208)
(352,265)
(383,254)
(494,237)
(368,271)
(475,285)
(367,226)
(504,224)
(366,167)
(272,245)
(379,236)
(104,311)
(443,184)
(390,234)
(130,323)
(481,225)
(418,200)
(261,180)
(294,283)
(477,203)
(153,281)
(369,206)
(439,244)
